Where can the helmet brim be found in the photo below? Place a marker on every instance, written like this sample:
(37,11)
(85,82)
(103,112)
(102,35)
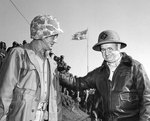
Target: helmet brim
(96,47)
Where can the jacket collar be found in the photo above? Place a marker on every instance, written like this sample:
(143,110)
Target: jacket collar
(31,54)
(126,59)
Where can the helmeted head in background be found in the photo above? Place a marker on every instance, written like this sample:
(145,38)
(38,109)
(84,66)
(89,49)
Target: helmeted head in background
(43,26)
(108,36)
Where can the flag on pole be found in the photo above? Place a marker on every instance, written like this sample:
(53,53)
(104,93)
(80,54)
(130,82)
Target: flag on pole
(80,35)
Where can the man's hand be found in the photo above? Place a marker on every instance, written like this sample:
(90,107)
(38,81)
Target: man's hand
(67,79)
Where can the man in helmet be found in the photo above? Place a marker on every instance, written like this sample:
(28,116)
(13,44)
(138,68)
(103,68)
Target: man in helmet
(121,83)
(29,85)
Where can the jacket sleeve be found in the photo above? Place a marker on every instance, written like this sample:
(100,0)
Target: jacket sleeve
(78,83)
(9,75)
(68,80)
(144,91)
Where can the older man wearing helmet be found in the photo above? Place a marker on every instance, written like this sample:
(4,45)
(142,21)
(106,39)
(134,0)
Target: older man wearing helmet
(121,83)
(29,85)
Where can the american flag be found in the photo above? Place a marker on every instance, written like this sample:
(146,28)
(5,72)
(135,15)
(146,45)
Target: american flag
(80,35)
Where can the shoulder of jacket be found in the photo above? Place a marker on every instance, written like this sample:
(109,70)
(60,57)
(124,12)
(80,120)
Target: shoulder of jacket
(137,66)
(96,70)
(17,50)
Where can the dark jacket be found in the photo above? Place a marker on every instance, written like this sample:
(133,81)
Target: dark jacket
(126,97)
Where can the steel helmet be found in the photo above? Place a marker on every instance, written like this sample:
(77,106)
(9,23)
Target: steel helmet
(43,26)
(108,36)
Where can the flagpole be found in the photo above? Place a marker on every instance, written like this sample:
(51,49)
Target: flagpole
(87,51)
(83,35)
(79,36)
(87,91)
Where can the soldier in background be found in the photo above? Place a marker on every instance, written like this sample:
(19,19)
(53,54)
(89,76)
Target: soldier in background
(2,52)
(14,44)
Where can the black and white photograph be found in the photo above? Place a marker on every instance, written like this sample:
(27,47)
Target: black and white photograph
(74,60)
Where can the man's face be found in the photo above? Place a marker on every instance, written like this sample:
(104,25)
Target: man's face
(110,52)
(51,40)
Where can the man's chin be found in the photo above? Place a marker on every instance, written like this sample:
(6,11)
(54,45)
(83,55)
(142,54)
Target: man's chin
(109,61)
(48,47)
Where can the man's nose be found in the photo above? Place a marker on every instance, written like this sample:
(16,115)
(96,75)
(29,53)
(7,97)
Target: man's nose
(54,41)
(107,51)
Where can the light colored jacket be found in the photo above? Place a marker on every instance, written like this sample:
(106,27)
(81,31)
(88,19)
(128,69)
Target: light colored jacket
(20,87)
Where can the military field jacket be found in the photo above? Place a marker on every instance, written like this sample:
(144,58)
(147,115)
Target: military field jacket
(20,86)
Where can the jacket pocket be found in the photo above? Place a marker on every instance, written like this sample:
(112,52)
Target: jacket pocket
(129,101)
(26,68)
(128,96)
(23,105)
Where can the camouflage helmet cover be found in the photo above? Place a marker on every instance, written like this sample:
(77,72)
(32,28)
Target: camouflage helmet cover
(43,26)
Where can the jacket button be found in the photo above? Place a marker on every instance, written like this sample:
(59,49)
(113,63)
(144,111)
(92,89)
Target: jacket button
(32,110)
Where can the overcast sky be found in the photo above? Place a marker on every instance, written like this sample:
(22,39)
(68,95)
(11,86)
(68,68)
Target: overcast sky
(130,18)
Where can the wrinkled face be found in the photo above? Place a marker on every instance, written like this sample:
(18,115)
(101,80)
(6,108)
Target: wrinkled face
(110,52)
(50,41)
